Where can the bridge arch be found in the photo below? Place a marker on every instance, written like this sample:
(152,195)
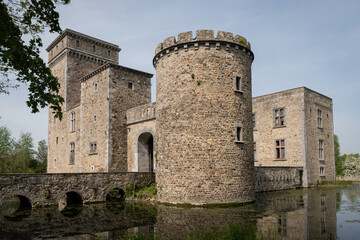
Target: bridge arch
(16,204)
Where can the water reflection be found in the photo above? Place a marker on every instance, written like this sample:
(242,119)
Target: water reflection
(320,213)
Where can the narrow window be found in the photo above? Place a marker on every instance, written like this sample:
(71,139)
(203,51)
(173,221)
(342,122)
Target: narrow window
(280,149)
(72,153)
(94,118)
(93,148)
(54,120)
(130,85)
(93,48)
(62,139)
(239,134)
(95,87)
(72,122)
(255,154)
(54,162)
(62,43)
(322,171)
(57,140)
(321,150)
(109,53)
(238,84)
(57,47)
(51,53)
(319,117)
(77,43)
(279,117)
(254,120)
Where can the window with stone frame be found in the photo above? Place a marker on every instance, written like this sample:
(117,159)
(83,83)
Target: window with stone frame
(77,43)
(239,134)
(322,171)
(72,153)
(279,117)
(255,153)
(238,84)
(109,53)
(93,148)
(321,150)
(319,118)
(95,87)
(93,48)
(280,149)
(72,122)
(254,121)
(130,85)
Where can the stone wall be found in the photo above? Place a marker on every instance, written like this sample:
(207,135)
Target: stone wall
(95,123)
(92,187)
(140,120)
(277,178)
(198,112)
(265,133)
(314,133)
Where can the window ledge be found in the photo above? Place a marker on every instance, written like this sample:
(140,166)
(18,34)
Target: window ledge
(71,163)
(321,128)
(93,153)
(72,131)
(240,142)
(238,91)
(280,159)
(279,127)
(322,177)
(322,161)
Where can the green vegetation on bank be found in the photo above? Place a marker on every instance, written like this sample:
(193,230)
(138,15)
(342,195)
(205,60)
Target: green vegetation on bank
(346,165)
(19,156)
(135,190)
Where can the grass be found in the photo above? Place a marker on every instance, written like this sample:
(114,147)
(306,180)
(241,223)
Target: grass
(135,190)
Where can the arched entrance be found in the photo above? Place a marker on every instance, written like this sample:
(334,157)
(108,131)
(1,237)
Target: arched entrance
(146,152)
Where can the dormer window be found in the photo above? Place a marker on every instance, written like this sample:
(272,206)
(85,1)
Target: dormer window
(77,43)
(93,48)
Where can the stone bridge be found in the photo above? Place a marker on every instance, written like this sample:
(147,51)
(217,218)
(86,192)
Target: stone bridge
(48,189)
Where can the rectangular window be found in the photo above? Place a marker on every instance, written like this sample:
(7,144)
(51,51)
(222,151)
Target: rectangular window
(322,171)
(77,43)
(319,118)
(279,117)
(72,153)
(72,122)
(54,120)
(254,120)
(95,87)
(130,85)
(93,48)
(238,84)
(109,53)
(239,134)
(57,140)
(321,150)
(54,162)
(93,148)
(280,149)
(255,154)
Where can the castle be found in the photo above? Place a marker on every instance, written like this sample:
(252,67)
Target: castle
(204,135)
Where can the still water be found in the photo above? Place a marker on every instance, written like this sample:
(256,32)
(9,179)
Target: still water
(319,213)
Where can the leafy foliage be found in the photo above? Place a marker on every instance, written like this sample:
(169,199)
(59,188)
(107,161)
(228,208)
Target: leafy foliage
(19,156)
(338,159)
(135,190)
(351,165)
(29,18)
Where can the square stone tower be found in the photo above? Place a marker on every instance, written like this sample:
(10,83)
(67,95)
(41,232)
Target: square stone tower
(92,134)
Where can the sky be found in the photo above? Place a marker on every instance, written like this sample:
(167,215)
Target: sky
(311,43)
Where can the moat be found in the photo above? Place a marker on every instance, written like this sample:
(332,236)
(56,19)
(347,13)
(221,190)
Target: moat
(318,213)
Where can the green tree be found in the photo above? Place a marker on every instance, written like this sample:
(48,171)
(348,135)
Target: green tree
(23,154)
(351,165)
(19,18)
(6,148)
(338,159)
(41,157)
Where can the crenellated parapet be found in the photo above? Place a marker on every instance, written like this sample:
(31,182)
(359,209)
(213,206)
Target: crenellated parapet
(203,38)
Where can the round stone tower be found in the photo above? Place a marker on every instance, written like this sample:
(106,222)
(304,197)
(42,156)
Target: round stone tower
(204,119)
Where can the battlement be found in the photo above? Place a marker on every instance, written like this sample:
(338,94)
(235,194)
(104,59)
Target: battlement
(203,38)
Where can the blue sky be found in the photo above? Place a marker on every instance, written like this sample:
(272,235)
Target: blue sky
(314,43)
